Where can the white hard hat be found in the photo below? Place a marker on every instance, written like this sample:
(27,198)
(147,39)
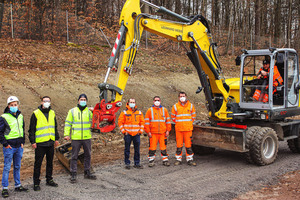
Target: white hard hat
(12,99)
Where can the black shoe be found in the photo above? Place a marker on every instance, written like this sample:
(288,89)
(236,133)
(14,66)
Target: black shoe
(52,183)
(138,166)
(73,177)
(21,189)
(36,188)
(127,166)
(5,193)
(88,175)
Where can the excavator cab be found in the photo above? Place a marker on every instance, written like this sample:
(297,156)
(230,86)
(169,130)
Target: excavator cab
(274,94)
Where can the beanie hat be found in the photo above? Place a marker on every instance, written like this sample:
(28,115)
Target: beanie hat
(82,95)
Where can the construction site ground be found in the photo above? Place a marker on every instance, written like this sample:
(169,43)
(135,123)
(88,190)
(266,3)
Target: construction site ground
(32,69)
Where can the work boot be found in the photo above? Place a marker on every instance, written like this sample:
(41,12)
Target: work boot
(88,175)
(138,166)
(127,166)
(73,177)
(21,189)
(177,163)
(52,183)
(166,163)
(5,193)
(191,163)
(151,163)
(36,188)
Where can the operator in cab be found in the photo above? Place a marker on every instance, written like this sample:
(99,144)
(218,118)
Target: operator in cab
(263,73)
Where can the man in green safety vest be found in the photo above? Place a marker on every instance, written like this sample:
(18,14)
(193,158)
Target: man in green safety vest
(78,124)
(12,138)
(43,136)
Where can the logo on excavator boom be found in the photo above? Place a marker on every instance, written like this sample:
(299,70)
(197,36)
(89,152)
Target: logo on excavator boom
(172,29)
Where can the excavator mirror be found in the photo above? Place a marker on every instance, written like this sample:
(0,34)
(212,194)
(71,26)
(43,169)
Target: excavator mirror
(238,61)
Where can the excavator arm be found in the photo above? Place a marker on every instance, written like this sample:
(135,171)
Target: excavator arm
(194,31)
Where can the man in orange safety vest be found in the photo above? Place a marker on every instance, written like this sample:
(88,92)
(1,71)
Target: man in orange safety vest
(157,125)
(184,114)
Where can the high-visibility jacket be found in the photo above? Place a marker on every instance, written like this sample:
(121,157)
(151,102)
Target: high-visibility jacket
(45,129)
(15,125)
(131,121)
(157,120)
(79,123)
(183,116)
(277,79)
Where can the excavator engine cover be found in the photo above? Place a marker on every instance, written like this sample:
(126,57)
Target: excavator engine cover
(104,116)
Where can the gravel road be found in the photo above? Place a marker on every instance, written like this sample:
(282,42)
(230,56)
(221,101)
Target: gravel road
(222,175)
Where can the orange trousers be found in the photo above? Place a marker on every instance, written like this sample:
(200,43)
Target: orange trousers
(184,136)
(160,138)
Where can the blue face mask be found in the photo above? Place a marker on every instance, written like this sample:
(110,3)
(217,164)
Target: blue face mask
(13,109)
(82,103)
(131,105)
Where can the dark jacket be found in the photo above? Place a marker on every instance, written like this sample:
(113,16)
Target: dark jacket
(32,128)
(15,143)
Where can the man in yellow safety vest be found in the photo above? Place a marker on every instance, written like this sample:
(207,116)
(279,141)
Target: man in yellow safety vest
(43,136)
(78,123)
(12,138)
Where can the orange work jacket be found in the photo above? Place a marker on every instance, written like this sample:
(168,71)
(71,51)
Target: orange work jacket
(277,79)
(183,116)
(157,120)
(131,121)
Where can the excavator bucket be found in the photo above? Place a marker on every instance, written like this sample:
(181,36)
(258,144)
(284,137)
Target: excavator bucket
(104,116)
(64,155)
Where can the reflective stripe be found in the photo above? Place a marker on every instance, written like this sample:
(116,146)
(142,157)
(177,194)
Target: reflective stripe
(150,158)
(133,130)
(45,127)
(193,113)
(81,123)
(146,118)
(125,112)
(69,125)
(189,157)
(163,112)
(191,107)
(157,120)
(79,129)
(46,134)
(152,115)
(168,122)
(175,108)
(68,121)
(179,158)
(183,120)
(72,111)
(147,123)
(184,115)
(131,125)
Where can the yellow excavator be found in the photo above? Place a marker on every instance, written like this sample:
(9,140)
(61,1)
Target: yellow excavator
(239,122)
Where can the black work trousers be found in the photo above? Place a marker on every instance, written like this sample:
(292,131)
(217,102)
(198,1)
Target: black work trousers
(40,152)
(87,148)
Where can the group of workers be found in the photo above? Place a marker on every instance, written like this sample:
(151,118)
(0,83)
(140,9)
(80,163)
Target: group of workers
(44,136)
(157,124)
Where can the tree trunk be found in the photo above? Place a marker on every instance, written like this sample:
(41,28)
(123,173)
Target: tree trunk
(1,15)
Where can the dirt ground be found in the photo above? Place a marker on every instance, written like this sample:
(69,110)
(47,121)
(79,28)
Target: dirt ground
(31,69)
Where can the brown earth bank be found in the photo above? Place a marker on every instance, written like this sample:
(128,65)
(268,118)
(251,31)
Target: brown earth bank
(32,69)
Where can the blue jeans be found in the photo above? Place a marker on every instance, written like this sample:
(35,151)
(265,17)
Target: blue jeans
(15,155)
(136,143)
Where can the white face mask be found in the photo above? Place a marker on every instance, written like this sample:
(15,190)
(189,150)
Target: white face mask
(46,104)
(156,103)
(182,99)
